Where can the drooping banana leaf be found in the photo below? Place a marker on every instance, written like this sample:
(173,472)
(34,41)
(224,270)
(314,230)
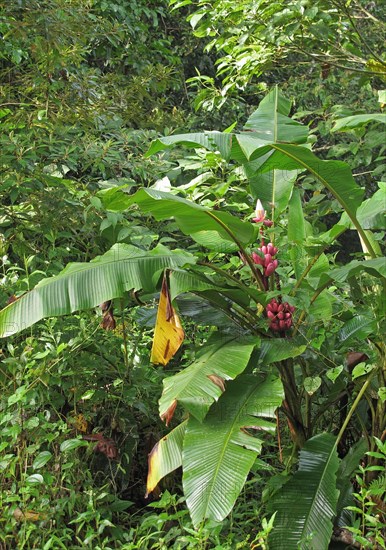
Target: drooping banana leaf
(335,175)
(165,457)
(86,285)
(218,453)
(375,267)
(306,504)
(202,313)
(182,281)
(356,121)
(199,385)
(192,218)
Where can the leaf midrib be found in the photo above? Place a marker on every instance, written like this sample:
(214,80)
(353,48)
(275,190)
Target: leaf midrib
(308,516)
(225,446)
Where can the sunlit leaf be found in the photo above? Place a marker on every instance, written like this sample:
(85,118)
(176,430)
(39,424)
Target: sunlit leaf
(168,334)
(86,285)
(356,121)
(41,459)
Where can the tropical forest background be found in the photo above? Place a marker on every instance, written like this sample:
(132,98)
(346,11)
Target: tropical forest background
(192,285)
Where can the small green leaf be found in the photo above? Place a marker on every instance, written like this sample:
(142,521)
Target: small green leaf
(359,328)
(87,395)
(71,444)
(382,393)
(361,369)
(120,505)
(333,374)
(34,479)
(276,349)
(41,459)
(312,384)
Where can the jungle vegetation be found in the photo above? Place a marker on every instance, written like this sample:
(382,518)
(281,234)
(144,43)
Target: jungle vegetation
(192,287)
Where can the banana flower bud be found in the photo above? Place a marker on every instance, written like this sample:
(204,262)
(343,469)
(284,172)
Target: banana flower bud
(259,212)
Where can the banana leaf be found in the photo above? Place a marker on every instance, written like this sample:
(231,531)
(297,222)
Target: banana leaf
(199,385)
(165,457)
(306,505)
(85,285)
(219,452)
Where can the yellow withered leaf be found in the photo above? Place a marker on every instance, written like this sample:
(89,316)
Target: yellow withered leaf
(168,334)
(29,515)
(165,457)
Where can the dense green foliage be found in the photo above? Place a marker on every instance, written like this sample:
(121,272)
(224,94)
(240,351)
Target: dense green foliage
(116,171)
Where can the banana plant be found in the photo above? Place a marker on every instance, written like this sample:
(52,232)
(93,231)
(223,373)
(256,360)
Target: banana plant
(277,308)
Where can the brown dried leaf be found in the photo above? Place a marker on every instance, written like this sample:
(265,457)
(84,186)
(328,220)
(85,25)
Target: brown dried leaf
(108,321)
(168,415)
(29,515)
(218,380)
(105,306)
(105,445)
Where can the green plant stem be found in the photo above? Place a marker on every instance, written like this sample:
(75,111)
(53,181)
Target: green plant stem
(353,408)
(230,277)
(306,271)
(304,313)
(256,273)
(124,336)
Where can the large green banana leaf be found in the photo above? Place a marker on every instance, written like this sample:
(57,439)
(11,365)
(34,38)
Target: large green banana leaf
(192,218)
(346,470)
(306,504)
(271,123)
(202,383)
(372,212)
(85,285)
(268,124)
(266,144)
(219,452)
(335,175)
(273,187)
